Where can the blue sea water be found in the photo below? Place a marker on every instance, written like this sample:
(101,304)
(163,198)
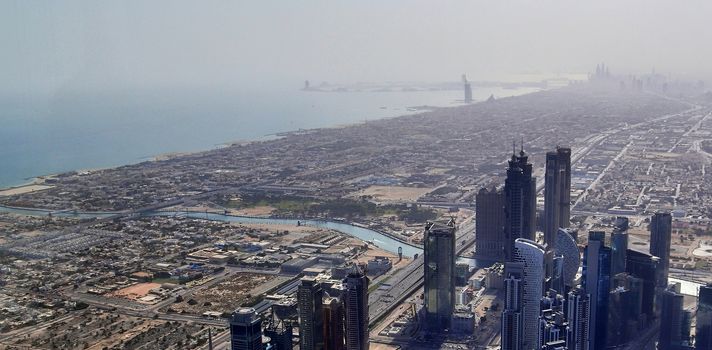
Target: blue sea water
(72,131)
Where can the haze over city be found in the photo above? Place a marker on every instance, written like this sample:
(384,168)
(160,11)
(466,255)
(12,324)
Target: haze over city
(320,175)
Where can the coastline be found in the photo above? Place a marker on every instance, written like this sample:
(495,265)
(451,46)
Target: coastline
(408,108)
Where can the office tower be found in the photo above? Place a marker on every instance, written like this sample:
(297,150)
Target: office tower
(333,310)
(619,245)
(512,313)
(567,248)
(531,254)
(596,282)
(311,322)
(468,92)
(245,330)
(671,319)
(618,304)
(439,276)
(703,329)
(489,225)
(356,303)
(660,232)
(557,193)
(520,202)
(644,266)
(578,317)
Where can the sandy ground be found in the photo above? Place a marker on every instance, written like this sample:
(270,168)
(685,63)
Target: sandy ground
(256,211)
(135,291)
(23,189)
(386,194)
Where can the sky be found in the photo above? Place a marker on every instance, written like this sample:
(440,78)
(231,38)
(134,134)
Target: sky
(90,45)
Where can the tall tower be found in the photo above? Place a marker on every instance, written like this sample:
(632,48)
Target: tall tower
(619,245)
(468,89)
(245,330)
(311,322)
(557,193)
(660,232)
(671,318)
(578,316)
(567,248)
(489,225)
(531,255)
(520,201)
(439,264)
(644,266)
(596,282)
(356,301)
(333,323)
(512,313)
(703,330)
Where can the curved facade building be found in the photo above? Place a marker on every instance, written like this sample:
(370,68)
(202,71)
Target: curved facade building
(566,246)
(531,255)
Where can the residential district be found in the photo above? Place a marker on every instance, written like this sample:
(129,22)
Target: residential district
(427,231)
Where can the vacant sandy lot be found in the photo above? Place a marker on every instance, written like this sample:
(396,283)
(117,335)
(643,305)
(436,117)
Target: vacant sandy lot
(135,291)
(392,194)
(23,189)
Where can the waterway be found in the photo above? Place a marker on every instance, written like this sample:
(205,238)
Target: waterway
(376,238)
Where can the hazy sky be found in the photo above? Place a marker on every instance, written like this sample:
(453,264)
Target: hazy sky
(49,45)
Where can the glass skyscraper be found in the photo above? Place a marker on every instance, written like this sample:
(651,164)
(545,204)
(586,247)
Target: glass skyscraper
(439,276)
(596,282)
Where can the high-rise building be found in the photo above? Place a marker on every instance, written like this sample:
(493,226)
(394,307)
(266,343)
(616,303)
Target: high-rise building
(557,193)
(596,282)
(468,92)
(552,328)
(245,330)
(311,323)
(644,266)
(356,302)
(566,247)
(672,319)
(439,276)
(660,235)
(531,255)
(619,245)
(520,202)
(578,317)
(333,310)
(703,329)
(489,225)
(512,313)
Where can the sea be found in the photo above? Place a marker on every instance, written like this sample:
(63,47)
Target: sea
(62,132)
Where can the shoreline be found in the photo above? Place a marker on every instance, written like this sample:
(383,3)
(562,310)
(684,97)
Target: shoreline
(39,180)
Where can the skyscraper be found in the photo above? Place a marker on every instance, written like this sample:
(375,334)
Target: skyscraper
(531,255)
(512,313)
(520,202)
(439,276)
(311,322)
(644,267)
(489,225)
(660,232)
(356,302)
(671,319)
(333,309)
(245,330)
(578,317)
(703,329)
(619,245)
(557,193)
(566,247)
(596,282)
